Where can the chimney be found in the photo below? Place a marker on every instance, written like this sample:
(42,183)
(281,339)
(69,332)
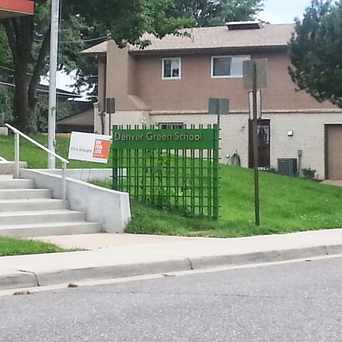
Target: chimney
(243,25)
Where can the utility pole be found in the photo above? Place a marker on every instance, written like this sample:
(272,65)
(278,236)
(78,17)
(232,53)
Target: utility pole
(255,78)
(255,145)
(53,82)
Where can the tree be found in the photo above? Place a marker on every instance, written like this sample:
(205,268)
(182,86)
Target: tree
(29,38)
(238,10)
(316,50)
(217,12)
(5,54)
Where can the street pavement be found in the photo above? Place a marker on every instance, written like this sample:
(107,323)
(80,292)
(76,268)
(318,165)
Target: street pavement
(279,303)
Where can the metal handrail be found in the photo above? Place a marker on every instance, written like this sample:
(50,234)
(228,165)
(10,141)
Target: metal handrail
(17,134)
(15,130)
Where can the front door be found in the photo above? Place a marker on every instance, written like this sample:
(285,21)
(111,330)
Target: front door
(333,152)
(264,143)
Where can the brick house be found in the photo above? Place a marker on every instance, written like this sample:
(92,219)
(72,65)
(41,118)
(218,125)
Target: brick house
(169,83)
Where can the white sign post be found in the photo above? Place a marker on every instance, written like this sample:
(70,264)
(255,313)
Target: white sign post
(90,147)
(251,104)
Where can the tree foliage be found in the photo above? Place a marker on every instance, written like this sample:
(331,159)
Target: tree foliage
(29,39)
(87,22)
(316,50)
(217,12)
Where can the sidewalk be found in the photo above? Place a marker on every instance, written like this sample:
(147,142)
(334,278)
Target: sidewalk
(115,256)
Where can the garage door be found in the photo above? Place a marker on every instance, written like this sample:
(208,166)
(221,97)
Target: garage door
(334,152)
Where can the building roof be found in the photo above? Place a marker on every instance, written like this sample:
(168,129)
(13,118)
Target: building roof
(97,49)
(44,89)
(268,35)
(85,118)
(9,9)
(206,38)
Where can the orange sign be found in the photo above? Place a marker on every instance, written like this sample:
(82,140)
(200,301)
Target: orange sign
(17,7)
(102,149)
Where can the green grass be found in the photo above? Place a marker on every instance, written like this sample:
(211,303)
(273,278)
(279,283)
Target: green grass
(36,157)
(287,205)
(10,247)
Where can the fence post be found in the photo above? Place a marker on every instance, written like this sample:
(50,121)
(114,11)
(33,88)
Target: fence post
(16,155)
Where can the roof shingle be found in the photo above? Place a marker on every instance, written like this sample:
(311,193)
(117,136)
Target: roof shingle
(269,35)
(220,37)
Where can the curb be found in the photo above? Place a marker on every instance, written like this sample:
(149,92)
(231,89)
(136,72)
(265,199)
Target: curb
(27,279)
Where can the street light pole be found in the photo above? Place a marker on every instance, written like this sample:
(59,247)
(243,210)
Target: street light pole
(53,82)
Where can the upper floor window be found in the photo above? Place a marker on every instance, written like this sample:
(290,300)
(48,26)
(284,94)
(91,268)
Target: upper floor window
(171,68)
(227,66)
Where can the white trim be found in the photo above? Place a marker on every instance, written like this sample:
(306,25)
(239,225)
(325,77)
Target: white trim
(180,68)
(248,57)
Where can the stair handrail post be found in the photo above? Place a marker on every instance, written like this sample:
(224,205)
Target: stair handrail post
(64,184)
(16,155)
(17,135)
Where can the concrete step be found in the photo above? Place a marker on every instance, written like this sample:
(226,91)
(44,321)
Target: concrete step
(8,194)
(5,177)
(31,204)
(39,216)
(49,229)
(16,184)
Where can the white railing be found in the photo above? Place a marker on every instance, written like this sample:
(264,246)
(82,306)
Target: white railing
(17,135)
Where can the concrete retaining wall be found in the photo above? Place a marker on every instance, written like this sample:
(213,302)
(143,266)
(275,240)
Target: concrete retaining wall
(7,167)
(86,175)
(107,207)
(4,131)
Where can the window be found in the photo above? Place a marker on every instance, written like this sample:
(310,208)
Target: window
(172,68)
(170,125)
(227,66)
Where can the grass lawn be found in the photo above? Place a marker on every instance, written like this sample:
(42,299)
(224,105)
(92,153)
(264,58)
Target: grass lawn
(9,247)
(287,205)
(36,157)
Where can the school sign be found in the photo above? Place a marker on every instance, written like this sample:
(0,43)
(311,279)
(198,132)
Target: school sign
(169,168)
(165,138)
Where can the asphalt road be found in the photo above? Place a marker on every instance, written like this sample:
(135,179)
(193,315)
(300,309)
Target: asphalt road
(290,303)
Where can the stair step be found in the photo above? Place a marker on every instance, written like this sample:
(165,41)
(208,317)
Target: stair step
(48,229)
(5,177)
(30,204)
(9,194)
(39,216)
(16,184)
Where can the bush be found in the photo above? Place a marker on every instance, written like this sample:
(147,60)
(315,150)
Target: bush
(309,173)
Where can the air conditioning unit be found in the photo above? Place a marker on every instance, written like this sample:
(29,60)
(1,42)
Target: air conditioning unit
(288,167)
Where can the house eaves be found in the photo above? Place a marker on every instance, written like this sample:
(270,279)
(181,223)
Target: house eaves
(101,48)
(237,50)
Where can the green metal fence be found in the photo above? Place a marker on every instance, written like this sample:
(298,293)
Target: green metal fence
(168,168)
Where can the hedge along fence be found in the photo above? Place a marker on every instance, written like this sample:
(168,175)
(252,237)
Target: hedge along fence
(169,168)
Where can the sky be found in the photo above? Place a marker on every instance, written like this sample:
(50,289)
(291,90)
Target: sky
(283,11)
(276,12)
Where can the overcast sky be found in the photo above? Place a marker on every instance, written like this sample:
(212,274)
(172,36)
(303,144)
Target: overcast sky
(283,11)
